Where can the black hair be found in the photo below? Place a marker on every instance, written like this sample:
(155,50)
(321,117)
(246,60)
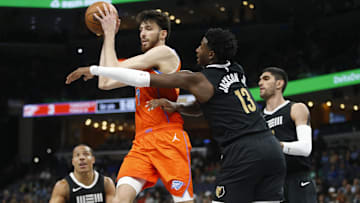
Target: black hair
(222,42)
(91,150)
(279,74)
(160,19)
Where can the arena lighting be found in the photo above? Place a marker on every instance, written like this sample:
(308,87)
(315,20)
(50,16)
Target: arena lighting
(356,107)
(58,4)
(80,50)
(328,103)
(158,10)
(112,125)
(251,6)
(104,123)
(166,13)
(88,122)
(310,104)
(96,125)
(36,160)
(48,150)
(177,21)
(245,3)
(172,17)
(191,11)
(112,130)
(342,106)
(222,9)
(120,128)
(104,127)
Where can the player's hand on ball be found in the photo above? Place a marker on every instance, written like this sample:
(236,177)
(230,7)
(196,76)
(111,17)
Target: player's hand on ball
(82,71)
(165,104)
(109,19)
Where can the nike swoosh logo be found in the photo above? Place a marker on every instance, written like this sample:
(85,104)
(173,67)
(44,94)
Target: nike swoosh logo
(76,189)
(303,184)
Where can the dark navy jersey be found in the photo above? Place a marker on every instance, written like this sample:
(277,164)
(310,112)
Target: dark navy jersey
(232,111)
(283,127)
(80,193)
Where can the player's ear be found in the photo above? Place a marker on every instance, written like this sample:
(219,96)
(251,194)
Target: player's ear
(212,55)
(163,34)
(279,84)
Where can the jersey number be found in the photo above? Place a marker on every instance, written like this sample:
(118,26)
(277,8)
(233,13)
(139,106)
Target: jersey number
(247,102)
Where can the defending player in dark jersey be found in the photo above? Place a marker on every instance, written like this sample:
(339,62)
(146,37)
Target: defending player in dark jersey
(253,165)
(84,184)
(290,123)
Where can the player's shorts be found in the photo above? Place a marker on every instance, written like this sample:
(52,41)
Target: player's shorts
(300,188)
(253,169)
(162,153)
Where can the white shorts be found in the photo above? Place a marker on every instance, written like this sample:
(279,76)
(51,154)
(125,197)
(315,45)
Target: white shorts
(138,184)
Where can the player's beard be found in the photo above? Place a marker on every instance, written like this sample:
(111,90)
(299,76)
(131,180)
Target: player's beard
(268,93)
(150,44)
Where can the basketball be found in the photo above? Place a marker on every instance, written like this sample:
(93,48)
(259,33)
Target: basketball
(91,22)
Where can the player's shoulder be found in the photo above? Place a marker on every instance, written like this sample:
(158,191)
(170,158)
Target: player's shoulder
(163,49)
(62,186)
(108,180)
(298,105)
(299,108)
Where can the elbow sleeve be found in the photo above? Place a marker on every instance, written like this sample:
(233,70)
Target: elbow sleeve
(131,77)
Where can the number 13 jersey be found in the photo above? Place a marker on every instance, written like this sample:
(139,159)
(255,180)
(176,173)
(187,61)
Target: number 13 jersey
(232,111)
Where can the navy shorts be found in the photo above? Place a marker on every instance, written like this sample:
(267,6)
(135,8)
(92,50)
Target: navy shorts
(253,169)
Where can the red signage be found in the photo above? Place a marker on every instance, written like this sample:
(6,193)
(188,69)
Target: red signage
(57,109)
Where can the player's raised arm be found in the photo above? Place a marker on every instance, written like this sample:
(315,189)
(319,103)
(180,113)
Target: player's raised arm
(160,57)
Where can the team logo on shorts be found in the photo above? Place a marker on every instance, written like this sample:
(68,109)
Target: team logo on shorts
(220,191)
(176,184)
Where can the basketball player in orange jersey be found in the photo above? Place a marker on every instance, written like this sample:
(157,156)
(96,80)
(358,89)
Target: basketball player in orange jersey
(161,148)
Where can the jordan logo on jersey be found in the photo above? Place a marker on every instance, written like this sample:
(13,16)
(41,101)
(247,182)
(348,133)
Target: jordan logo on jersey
(90,198)
(229,79)
(175,138)
(275,121)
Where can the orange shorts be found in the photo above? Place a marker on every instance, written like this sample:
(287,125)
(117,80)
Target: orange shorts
(164,154)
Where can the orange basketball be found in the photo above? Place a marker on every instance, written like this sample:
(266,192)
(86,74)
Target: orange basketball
(91,22)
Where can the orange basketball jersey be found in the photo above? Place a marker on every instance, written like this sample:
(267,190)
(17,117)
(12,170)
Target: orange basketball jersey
(147,121)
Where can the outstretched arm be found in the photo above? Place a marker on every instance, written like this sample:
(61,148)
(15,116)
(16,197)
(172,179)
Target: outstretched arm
(195,83)
(302,147)
(188,109)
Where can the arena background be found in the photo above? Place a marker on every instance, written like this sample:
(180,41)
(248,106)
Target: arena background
(39,46)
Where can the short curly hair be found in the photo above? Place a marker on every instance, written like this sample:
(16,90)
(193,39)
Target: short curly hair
(222,42)
(160,19)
